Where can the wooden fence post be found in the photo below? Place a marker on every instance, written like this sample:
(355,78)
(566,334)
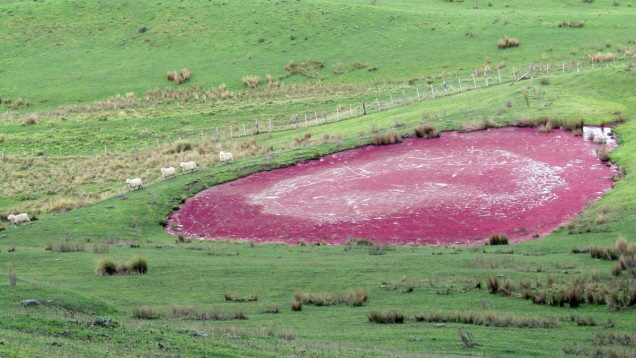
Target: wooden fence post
(324,114)
(378,103)
(418,95)
(296,120)
(445,88)
(218,135)
(486,77)
(316,116)
(305,120)
(433,91)
(351,110)
(364,109)
(404,95)
(270,125)
(563,66)
(257,132)
(499,73)
(231,133)
(135,148)
(392,105)
(158,146)
(202,137)
(460,85)
(547,68)
(169,141)
(474,82)
(245,131)
(577,67)
(531,71)
(337,114)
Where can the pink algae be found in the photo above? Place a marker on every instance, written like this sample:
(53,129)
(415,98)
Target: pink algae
(457,189)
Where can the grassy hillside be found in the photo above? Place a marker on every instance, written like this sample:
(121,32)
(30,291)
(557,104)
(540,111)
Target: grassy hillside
(52,59)
(572,292)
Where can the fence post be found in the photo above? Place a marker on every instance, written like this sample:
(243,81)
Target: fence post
(563,65)
(324,114)
(531,71)
(305,120)
(514,75)
(46,153)
(169,141)
(337,114)
(486,77)
(418,95)
(104,151)
(460,85)
(158,146)
(296,120)
(577,67)
(392,105)
(315,115)
(351,109)
(270,125)
(474,82)
(231,133)
(432,91)
(257,131)
(364,109)
(547,68)
(218,135)
(202,138)
(135,148)
(245,131)
(499,73)
(445,88)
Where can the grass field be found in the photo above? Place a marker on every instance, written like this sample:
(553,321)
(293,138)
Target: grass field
(61,54)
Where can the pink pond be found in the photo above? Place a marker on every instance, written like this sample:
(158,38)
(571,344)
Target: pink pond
(457,189)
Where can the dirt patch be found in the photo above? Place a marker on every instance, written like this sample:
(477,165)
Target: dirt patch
(457,189)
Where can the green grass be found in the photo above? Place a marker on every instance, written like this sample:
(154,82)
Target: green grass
(438,290)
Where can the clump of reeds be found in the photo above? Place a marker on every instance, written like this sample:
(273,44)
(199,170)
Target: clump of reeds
(232,296)
(179,77)
(138,265)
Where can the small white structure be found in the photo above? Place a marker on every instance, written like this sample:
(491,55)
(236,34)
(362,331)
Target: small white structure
(168,173)
(226,156)
(188,166)
(134,184)
(18,219)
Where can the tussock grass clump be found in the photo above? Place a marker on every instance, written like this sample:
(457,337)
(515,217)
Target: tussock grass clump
(492,319)
(106,267)
(179,77)
(478,125)
(570,23)
(498,239)
(137,265)
(602,57)
(337,69)
(309,68)
(203,314)
(390,137)
(386,317)
(544,81)
(351,297)
(251,81)
(100,248)
(603,153)
(380,249)
(493,284)
(145,312)
(272,309)
(507,42)
(232,296)
(29,120)
(296,306)
(65,246)
(426,131)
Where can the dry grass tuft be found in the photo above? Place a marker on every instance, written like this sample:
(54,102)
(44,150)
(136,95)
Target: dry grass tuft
(426,131)
(498,239)
(507,42)
(391,137)
(478,125)
(386,317)
(251,81)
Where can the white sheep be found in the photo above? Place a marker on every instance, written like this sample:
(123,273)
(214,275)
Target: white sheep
(188,166)
(226,156)
(17,219)
(169,172)
(134,184)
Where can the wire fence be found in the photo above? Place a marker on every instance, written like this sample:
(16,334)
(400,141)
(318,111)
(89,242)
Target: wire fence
(409,93)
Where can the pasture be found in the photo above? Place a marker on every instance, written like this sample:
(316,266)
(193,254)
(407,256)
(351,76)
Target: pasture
(81,258)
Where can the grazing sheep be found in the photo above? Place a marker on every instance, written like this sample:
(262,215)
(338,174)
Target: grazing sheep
(188,166)
(226,156)
(17,219)
(168,173)
(134,184)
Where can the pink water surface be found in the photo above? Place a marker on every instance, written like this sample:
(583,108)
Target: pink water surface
(457,189)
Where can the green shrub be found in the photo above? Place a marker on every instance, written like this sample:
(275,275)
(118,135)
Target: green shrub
(138,265)
(106,267)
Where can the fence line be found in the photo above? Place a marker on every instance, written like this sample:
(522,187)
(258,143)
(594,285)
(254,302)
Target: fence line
(446,88)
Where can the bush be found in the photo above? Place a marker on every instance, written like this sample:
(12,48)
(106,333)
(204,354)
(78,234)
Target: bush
(426,131)
(386,317)
(498,239)
(391,137)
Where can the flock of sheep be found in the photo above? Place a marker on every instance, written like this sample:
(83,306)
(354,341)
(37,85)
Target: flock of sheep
(171,172)
(135,184)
